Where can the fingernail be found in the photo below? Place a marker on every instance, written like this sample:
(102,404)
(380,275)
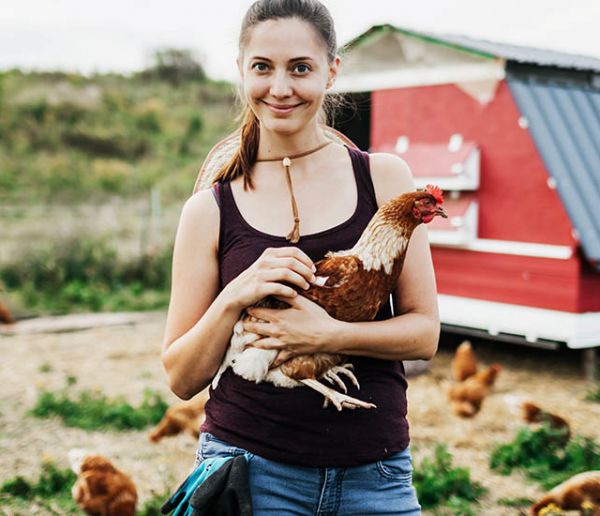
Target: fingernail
(314,269)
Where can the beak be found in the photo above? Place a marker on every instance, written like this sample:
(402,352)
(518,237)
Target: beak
(441,212)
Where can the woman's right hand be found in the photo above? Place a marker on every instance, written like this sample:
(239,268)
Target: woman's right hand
(265,276)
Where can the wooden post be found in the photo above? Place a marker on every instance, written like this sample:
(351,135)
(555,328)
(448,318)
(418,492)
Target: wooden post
(590,364)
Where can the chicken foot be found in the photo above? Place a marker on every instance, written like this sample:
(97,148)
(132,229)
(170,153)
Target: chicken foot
(337,398)
(332,376)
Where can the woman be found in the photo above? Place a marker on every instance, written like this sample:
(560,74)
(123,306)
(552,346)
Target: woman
(234,247)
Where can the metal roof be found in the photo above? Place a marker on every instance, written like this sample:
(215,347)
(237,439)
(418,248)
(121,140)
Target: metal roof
(486,48)
(564,122)
(522,54)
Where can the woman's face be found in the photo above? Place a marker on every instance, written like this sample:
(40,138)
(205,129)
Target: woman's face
(285,74)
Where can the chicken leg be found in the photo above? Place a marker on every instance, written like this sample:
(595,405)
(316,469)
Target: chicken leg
(337,398)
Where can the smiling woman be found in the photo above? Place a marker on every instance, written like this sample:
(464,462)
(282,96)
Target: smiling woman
(234,248)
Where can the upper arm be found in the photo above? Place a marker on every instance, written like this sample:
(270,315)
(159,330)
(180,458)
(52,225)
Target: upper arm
(416,290)
(195,268)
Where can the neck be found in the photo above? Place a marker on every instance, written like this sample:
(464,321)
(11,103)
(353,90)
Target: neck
(274,145)
(381,244)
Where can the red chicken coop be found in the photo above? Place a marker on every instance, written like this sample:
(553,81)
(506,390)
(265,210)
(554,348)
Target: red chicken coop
(512,134)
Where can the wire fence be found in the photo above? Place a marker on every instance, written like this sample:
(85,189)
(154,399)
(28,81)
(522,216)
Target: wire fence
(132,226)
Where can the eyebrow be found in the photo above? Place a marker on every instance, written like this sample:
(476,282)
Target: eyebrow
(291,60)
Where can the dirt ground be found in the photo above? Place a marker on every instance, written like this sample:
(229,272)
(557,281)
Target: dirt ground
(123,360)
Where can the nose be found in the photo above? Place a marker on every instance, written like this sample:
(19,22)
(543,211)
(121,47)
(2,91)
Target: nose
(280,85)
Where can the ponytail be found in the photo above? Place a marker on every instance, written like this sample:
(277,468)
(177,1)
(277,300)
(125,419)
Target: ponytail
(244,158)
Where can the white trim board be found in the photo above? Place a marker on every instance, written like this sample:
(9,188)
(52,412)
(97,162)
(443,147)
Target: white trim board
(418,76)
(576,330)
(489,245)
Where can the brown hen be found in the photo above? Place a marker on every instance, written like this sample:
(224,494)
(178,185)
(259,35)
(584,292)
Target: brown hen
(579,492)
(100,488)
(467,397)
(352,285)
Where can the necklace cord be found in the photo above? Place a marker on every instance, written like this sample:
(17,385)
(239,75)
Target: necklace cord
(294,235)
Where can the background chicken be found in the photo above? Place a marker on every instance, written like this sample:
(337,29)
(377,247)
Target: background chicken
(351,285)
(100,488)
(573,493)
(466,397)
(5,315)
(185,416)
(464,363)
(534,414)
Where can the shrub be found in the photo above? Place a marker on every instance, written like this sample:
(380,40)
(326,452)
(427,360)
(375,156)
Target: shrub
(544,456)
(439,483)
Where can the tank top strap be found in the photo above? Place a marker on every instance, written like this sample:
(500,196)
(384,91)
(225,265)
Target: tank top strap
(364,182)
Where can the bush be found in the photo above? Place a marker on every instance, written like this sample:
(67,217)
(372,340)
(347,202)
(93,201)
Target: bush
(544,455)
(175,66)
(439,483)
(87,273)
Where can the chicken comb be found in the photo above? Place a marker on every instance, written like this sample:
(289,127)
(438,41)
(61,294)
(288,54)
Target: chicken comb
(436,191)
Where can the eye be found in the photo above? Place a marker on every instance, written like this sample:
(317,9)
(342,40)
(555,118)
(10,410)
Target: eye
(305,66)
(260,64)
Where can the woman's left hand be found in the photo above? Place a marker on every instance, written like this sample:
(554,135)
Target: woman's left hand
(305,327)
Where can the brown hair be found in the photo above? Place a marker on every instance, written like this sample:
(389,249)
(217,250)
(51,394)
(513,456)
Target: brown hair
(310,11)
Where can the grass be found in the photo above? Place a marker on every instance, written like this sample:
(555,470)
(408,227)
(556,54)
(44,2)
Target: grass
(594,394)
(544,456)
(92,410)
(86,274)
(52,490)
(68,137)
(441,485)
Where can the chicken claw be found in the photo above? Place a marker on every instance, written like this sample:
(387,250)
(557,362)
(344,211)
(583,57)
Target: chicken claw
(337,398)
(332,376)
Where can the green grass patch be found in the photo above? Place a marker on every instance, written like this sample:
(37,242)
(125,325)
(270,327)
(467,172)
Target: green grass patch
(86,274)
(544,457)
(92,410)
(594,394)
(440,484)
(515,502)
(52,490)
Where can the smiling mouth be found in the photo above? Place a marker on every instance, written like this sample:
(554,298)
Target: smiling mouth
(282,109)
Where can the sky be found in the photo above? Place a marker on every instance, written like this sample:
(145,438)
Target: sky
(121,35)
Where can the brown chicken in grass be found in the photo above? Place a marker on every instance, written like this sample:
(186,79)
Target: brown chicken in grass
(5,315)
(186,416)
(464,363)
(579,492)
(467,397)
(100,488)
(534,414)
(351,285)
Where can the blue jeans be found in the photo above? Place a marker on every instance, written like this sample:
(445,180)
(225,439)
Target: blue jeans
(382,487)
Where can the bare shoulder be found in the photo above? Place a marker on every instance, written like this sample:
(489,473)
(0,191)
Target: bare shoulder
(200,215)
(391,176)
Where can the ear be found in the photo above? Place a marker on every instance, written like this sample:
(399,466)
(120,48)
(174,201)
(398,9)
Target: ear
(333,71)
(239,65)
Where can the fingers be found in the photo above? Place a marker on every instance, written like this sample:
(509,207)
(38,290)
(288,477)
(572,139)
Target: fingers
(268,343)
(295,260)
(282,356)
(296,253)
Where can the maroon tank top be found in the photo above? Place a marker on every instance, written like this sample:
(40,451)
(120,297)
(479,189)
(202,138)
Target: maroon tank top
(290,425)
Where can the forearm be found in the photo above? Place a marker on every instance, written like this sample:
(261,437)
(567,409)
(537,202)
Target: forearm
(410,336)
(192,360)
